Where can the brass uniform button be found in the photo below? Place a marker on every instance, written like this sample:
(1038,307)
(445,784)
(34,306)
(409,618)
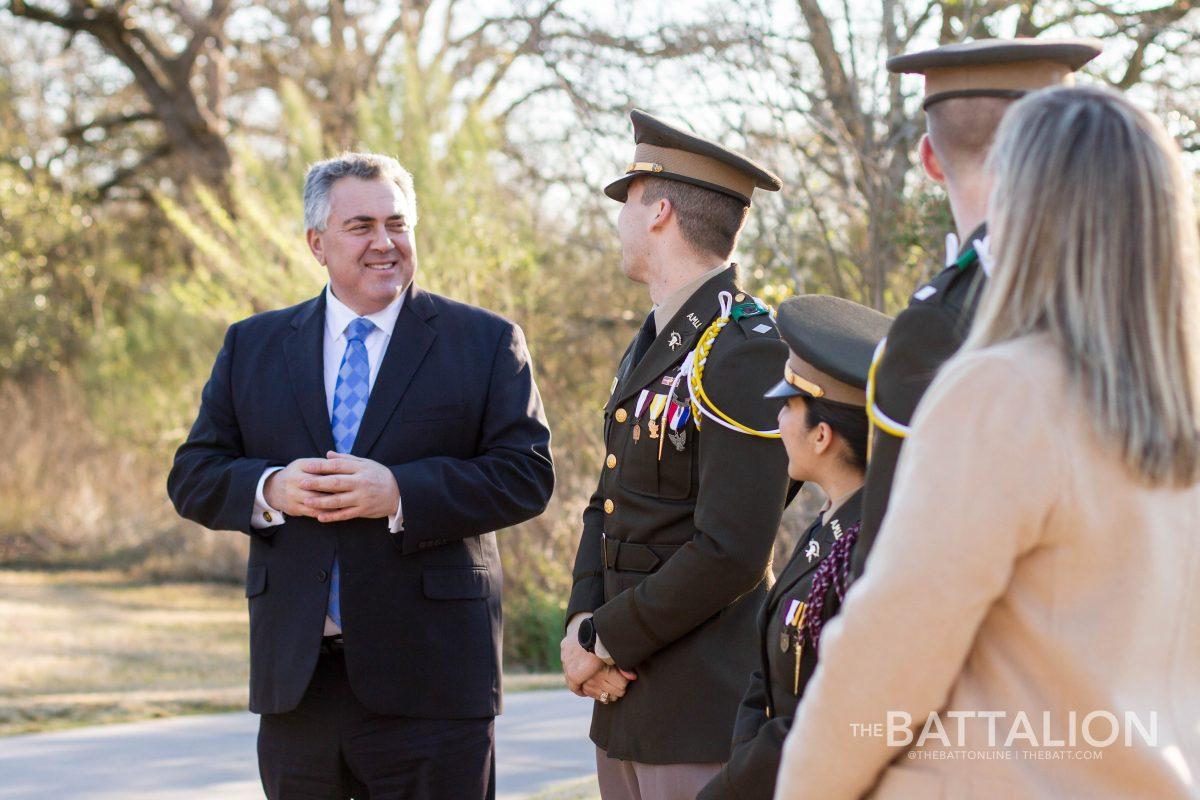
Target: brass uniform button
(608,506)
(611,461)
(621,415)
(740,297)
(267,516)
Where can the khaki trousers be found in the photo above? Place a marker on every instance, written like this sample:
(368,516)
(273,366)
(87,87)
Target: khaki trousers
(632,780)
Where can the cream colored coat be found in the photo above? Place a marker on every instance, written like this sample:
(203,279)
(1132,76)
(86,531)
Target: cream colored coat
(1020,569)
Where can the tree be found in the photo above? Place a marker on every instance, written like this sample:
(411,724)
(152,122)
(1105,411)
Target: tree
(853,127)
(176,60)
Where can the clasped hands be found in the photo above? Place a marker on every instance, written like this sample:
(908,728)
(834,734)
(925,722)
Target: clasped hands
(586,673)
(332,489)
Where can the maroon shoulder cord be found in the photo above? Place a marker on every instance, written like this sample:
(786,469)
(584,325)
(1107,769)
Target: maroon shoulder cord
(832,572)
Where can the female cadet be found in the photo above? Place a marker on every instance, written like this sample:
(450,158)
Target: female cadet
(824,429)
(1027,624)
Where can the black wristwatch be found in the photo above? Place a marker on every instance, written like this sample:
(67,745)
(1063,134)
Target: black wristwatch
(587,635)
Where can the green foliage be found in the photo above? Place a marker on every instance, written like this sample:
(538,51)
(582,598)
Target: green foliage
(50,278)
(533,628)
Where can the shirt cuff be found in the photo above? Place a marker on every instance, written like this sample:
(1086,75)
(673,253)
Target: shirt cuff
(601,651)
(603,654)
(264,516)
(396,521)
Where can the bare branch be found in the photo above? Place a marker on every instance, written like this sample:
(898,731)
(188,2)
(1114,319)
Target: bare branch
(125,173)
(108,123)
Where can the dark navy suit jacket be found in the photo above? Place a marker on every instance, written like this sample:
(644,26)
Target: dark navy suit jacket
(456,416)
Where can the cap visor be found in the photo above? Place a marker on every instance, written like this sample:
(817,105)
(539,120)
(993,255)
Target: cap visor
(619,189)
(782,389)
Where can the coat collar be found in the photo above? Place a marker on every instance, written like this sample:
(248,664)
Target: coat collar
(844,517)
(677,338)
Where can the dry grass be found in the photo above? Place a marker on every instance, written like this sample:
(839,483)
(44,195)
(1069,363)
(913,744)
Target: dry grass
(88,647)
(583,789)
(91,647)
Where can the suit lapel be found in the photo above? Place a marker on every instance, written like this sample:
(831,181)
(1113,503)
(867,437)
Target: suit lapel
(689,322)
(304,352)
(411,340)
(846,516)
(796,568)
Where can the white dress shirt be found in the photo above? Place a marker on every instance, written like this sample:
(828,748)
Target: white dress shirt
(338,317)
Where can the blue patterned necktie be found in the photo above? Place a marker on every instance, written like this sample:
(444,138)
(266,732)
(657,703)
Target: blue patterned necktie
(349,403)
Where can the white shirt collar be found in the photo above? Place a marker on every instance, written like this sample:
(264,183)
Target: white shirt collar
(338,315)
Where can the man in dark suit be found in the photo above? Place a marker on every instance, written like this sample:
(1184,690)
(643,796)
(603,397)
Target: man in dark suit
(370,441)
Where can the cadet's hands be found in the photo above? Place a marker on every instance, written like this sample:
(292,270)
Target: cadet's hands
(586,673)
(578,664)
(608,680)
(342,487)
(283,489)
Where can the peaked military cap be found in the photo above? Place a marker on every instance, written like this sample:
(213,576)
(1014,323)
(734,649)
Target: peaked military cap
(666,151)
(831,342)
(996,67)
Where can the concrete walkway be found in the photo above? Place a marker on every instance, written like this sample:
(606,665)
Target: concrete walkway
(541,741)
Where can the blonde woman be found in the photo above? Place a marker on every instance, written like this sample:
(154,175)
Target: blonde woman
(1029,620)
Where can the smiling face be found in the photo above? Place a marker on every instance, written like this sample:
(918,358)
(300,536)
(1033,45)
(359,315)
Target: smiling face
(367,245)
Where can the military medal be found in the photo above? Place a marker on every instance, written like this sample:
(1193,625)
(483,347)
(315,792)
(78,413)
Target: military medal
(656,408)
(678,438)
(785,636)
(638,408)
(796,675)
(795,621)
(678,416)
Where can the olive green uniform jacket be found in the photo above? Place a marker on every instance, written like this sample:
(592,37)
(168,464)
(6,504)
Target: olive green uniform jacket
(674,558)
(923,337)
(765,716)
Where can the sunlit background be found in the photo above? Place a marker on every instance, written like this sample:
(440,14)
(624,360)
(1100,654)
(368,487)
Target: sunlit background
(151,161)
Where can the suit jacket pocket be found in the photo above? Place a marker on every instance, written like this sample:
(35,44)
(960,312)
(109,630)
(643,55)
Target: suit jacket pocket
(456,583)
(256,579)
(432,413)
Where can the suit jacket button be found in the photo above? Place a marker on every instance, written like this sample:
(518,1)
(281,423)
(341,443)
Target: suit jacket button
(322,575)
(608,506)
(611,461)
(621,415)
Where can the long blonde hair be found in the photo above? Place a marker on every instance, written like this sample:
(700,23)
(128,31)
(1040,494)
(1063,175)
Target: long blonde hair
(1094,242)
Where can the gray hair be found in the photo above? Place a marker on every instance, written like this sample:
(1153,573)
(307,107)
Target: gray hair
(365,166)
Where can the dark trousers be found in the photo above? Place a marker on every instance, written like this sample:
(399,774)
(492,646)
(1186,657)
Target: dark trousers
(331,747)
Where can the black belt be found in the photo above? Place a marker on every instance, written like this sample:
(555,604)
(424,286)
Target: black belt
(332,645)
(635,557)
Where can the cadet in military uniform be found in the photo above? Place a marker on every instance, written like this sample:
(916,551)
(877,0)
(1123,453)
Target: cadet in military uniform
(968,88)
(824,429)
(674,558)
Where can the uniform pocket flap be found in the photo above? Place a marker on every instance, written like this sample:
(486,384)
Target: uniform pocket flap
(456,583)
(432,413)
(256,579)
